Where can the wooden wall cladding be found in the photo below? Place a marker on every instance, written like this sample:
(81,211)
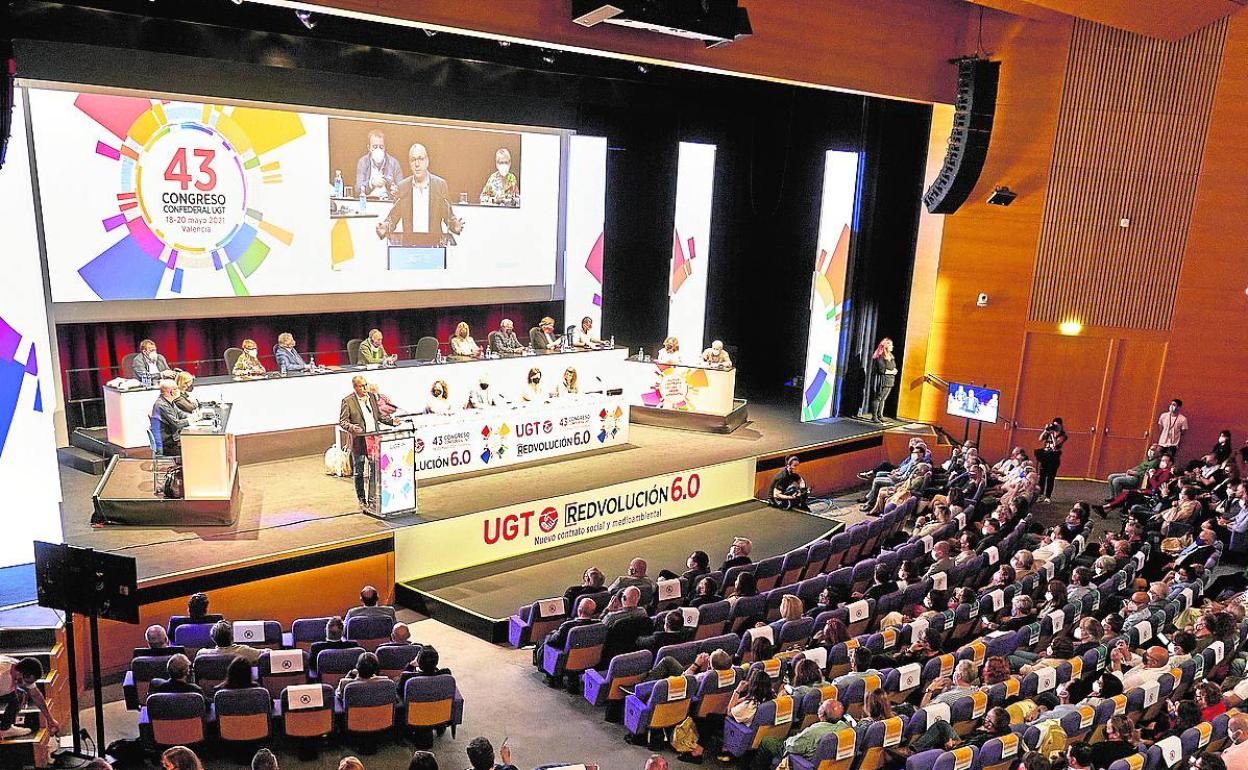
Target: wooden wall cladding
(1130,137)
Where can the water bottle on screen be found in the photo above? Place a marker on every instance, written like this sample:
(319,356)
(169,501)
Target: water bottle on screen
(363,203)
(338,187)
(282,367)
(641,354)
(312,360)
(613,341)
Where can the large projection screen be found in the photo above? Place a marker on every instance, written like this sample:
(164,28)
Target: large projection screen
(159,206)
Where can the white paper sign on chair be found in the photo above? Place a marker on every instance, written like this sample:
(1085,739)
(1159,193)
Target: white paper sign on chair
(304,696)
(248,631)
(669,589)
(286,661)
(549,608)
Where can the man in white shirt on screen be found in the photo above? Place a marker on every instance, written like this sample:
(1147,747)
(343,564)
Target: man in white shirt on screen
(423,207)
(583,337)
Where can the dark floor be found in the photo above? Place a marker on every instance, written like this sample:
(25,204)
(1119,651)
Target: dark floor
(496,591)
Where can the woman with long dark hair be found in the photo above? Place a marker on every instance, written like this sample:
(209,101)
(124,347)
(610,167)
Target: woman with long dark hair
(884,367)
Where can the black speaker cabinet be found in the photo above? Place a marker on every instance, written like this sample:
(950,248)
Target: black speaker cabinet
(968,143)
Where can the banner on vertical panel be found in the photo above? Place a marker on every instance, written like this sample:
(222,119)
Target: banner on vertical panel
(828,303)
(27,393)
(582,267)
(691,253)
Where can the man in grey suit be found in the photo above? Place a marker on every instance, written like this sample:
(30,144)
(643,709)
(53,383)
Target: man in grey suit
(423,207)
(503,340)
(360,413)
(148,362)
(370,606)
(167,420)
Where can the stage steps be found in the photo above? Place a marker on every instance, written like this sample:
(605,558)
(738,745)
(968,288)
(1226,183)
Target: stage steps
(88,451)
(47,645)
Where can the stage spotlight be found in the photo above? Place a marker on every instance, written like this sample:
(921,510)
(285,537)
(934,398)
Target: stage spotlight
(429,32)
(548,57)
(237,2)
(643,69)
(504,44)
(1070,328)
(305,18)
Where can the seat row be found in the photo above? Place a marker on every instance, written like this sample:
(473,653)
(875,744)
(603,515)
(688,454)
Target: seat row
(301,712)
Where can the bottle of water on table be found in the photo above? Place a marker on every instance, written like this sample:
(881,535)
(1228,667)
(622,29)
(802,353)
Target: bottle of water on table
(338,186)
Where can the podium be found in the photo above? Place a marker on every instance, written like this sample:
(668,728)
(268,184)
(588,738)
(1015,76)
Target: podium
(390,475)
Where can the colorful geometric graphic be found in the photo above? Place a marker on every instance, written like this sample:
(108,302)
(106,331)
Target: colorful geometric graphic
(12,376)
(189,192)
(398,482)
(593,265)
(691,234)
(828,303)
(682,266)
(674,387)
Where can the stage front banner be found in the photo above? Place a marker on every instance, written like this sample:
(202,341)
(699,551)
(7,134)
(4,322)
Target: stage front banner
(453,544)
(484,439)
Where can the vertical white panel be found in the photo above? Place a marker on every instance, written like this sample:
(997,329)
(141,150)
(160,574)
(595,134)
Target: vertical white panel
(587,191)
(691,247)
(28,467)
(828,303)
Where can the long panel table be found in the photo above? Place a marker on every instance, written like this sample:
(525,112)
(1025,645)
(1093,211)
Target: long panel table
(312,400)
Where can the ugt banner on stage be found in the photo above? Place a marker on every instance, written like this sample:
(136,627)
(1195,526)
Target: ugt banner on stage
(481,439)
(466,541)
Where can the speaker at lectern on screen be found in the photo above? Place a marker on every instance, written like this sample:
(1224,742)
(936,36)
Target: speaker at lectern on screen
(972,402)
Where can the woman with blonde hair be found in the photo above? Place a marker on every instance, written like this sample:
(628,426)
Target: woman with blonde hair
(568,387)
(790,608)
(670,354)
(462,343)
(248,364)
(186,383)
(439,398)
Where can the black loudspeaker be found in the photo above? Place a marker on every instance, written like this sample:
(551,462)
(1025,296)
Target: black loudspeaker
(968,142)
(8,74)
(86,581)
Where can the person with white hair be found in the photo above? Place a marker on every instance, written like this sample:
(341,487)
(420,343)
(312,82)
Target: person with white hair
(716,356)
(168,421)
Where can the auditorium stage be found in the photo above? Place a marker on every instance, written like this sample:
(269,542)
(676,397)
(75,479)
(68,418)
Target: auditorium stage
(480,599)
(292,504)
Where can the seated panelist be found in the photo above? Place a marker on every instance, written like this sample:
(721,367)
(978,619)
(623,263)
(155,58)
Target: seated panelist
(543,337)
(186,383)
(503,340)
(439,399)
(480,397)
(716,356)
(462,344)
(533,387)
(167,421)
(373,352)
(385,406)
(584,337)
(248,364)
(568,386)
(288,358)
(670,354)
(150,363)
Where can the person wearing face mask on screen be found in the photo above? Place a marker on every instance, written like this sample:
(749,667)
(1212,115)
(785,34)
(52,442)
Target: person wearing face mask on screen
(502,188)
(439,398)
(481,396)
(377,173)
(533,388)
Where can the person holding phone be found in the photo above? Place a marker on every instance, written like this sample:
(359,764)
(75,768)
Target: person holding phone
(884,366)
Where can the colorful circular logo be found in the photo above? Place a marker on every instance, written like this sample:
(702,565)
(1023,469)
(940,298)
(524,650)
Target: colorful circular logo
(191,187)
(547,426)
(420,445)
(548,520)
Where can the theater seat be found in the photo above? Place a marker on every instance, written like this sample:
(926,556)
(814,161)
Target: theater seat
(772,720)
(295,673)
(210,669)
(582,650)
(395,657)
(242,716)
(714,692)
(659,705)
(368,707)
(333,665)
(431,702)
(880,735)
(835,751)
(304,722)
(173,719)
(138,679)
(623,671)
(194,637)
(529,626)
(369,632)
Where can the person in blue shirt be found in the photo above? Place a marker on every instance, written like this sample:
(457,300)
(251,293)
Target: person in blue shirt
(288,358)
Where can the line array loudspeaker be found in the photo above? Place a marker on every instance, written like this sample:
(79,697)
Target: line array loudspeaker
(968,142)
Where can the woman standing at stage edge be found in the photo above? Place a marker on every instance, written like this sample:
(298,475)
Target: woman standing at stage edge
(884,369)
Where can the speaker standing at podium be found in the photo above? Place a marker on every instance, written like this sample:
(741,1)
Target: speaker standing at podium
(360,413)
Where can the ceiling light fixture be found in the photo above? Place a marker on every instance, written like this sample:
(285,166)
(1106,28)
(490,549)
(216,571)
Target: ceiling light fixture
(305,18)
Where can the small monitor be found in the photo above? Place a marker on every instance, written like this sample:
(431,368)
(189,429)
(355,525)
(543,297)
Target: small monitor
(973,402)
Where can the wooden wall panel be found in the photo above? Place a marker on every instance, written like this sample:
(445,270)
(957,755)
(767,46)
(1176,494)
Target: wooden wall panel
(1166,19)
(1132,127)
(1207,360)
(897,48)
